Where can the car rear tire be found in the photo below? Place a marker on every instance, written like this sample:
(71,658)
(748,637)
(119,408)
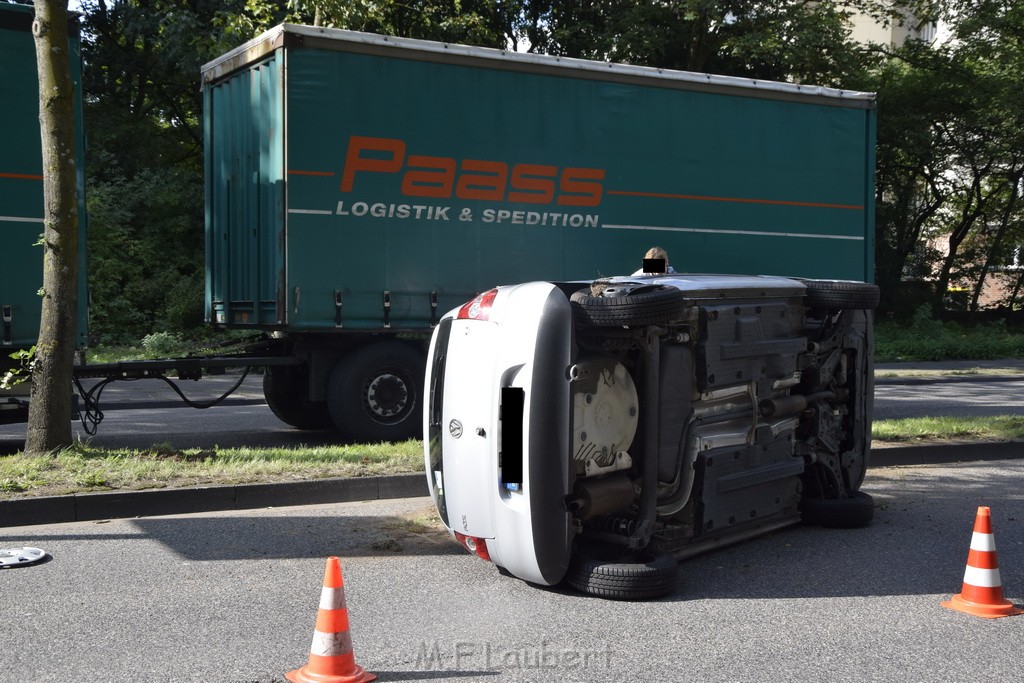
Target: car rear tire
(375,393)
(835,295)
(638,575)
(630,304)
(839,513)
(286,392)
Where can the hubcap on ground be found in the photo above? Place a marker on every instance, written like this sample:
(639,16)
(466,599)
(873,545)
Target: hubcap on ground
(20,557)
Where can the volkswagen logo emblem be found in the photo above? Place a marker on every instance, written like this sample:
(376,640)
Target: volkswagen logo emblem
(455,429)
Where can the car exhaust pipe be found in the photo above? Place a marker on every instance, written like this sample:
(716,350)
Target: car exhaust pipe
(599,496)
(791,405)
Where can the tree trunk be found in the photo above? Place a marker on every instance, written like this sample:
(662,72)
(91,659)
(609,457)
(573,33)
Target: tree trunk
(997,241)
(49,419)
(901,220)
(976,202)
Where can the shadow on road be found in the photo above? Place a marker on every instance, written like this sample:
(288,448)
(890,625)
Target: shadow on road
(297,537)
(219,539)
(917,544)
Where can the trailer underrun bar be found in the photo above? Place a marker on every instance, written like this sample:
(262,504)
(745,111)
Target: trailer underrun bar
(183,368)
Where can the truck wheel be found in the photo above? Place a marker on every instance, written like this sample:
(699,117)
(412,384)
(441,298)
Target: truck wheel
(834,295)
(839,513)
(650,574)
(375,393)
(286,392)
(630,303)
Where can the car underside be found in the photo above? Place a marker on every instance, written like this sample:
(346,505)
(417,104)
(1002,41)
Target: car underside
(631,422)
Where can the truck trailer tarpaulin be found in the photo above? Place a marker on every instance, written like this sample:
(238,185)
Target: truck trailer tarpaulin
(342,163)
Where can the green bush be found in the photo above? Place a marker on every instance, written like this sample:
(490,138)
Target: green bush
(162,344)
(923,338)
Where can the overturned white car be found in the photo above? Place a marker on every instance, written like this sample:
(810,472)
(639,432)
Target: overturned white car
(597,433)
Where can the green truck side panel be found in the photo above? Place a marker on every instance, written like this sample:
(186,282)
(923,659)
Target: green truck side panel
(727,183)
(21,181)
(245,196)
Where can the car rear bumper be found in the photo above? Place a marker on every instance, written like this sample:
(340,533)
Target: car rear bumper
(497,427)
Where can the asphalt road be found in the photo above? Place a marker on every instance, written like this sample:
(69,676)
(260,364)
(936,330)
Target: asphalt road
(950,397)
(140,413)
(232,597)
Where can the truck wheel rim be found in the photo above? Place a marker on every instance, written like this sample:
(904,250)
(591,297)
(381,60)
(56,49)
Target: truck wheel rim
(386,397)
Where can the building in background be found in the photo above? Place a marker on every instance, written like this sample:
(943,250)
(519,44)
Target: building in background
(868,29)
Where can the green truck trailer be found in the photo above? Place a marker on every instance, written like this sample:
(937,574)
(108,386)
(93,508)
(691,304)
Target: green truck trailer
(21,194)
(359,186)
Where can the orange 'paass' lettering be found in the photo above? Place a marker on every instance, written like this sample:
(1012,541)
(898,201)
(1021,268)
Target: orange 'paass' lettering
(440,177)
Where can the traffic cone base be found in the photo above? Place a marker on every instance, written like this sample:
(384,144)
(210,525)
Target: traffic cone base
(982,592)
(331,659)
(305,675)
(986,611)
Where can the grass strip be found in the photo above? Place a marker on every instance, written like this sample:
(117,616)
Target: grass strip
(84,468)
(926,429)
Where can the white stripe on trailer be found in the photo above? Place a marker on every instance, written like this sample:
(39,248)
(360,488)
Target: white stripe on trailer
(717,231)
(21,219)
(984,542)
(982,578)
(313,212)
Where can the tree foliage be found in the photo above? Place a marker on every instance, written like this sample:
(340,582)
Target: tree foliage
(951,152)
(143,117)
(787,40)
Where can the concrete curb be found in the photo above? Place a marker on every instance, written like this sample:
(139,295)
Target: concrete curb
(945,453)
(93,506)
(82,507)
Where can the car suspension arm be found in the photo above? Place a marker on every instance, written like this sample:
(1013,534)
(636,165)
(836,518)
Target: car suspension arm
(649,474)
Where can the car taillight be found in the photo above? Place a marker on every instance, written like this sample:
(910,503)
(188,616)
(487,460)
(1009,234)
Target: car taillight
(479,308)
(477,546)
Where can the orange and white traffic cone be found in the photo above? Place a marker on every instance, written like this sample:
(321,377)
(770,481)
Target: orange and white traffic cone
(331,659)
(982,593)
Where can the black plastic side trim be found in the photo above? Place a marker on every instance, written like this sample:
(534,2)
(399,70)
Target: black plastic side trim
(435,405)
(548,454)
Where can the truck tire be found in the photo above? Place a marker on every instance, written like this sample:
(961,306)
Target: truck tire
(630,304)
(286,392)
(375,393)
(839,513)
(834,295)
(652,574)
